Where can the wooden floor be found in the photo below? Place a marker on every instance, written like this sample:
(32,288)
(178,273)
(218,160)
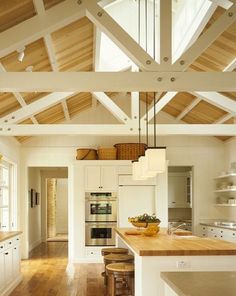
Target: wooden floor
(45,274)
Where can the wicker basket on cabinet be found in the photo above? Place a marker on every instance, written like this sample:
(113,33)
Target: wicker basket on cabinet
(107,153)
(130,151)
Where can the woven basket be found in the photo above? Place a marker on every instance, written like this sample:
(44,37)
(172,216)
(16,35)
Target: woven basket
(130,151)
(86,154)
(107,153)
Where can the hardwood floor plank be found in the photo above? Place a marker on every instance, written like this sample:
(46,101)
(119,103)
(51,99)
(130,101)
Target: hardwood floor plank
(44,274)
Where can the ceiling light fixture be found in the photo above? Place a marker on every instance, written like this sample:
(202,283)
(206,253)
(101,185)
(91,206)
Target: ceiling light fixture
(154,161)
(21,54)
(29,69)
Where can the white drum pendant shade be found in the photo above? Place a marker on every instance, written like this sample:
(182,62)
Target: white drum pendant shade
(137,171)
(156,160)
(144,165)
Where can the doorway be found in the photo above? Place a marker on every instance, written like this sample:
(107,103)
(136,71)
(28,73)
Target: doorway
(180,196)
(47,210)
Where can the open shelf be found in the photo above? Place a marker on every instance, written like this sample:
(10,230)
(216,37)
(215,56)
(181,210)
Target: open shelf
(226,190)
(225,205)
(226,176)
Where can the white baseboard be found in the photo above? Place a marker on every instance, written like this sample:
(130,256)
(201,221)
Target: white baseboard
(7,291)
(88,260)
(35,244)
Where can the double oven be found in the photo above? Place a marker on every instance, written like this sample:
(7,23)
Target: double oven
(100,218)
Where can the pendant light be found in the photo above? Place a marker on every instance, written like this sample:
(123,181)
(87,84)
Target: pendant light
(154,161)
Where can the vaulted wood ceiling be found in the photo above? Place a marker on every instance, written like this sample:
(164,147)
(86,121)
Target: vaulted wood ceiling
(73,47)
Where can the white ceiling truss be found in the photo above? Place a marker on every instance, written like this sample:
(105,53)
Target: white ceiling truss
(155,77)
(40,9)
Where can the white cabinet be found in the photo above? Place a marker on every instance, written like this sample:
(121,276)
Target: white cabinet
(100,178)
(2,280)
(179,190)
(10,274)
(219,233)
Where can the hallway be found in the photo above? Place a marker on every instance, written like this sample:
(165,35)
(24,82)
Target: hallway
(44,274)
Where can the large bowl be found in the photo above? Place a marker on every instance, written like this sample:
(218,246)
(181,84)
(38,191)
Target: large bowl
(144,224)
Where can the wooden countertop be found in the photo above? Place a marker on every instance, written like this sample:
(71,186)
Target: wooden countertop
(201,283)
(4,235)
(166,245)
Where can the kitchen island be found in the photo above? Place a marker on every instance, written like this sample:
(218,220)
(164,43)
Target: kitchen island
(163,252)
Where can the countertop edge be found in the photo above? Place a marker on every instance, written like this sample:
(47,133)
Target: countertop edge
(164,277)
(9,234)
(176,252)
(217,226)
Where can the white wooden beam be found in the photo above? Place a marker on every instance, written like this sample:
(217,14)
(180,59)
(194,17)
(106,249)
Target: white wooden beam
(40,25)
(218,100)
(120,37)
(134,105)
(35,107)
(231,66)
(111,106)
(51,52)
(19,97)
(116,81)
(39,6)
(165,34)
(194,103)
(65,110)
(159,105)
(206,39)
(226,4)
(117,129)
(223,119)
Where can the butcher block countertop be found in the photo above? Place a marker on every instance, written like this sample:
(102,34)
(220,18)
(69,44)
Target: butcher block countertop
(201,283)
(4,235)
(166,245)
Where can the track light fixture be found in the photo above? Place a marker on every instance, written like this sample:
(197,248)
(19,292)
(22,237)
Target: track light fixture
(21,54)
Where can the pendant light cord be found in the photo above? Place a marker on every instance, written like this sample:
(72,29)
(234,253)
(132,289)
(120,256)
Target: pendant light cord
(154,57)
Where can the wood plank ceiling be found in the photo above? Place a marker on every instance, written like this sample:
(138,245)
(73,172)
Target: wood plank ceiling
(73,47)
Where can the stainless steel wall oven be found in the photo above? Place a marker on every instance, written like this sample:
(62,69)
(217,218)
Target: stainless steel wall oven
(100,206)
(100,233)
(100,218)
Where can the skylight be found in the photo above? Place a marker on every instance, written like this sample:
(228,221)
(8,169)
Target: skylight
(187,16)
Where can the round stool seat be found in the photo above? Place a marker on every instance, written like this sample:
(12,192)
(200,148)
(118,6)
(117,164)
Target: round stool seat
(106,251)
(113,258)
(120,268)
(120,279)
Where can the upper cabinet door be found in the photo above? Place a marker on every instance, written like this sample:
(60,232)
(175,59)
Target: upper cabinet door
(92,178)
(177,191)
(109,178)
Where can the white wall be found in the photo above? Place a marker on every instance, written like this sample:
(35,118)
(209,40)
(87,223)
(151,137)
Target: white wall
(34,182)
(62,206)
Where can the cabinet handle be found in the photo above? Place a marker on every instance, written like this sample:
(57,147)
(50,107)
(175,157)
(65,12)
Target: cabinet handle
(1,247)
(17,239)
(6,253)
(9,243)
(173,202)
(15,248)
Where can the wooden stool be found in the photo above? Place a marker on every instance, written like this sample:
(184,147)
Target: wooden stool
(120,279)
(116,258)
(106,251)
